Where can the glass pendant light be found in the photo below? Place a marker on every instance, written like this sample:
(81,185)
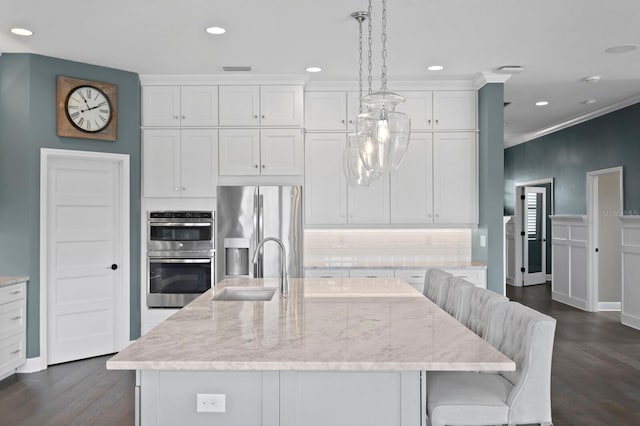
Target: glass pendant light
(385,132)
(354,169)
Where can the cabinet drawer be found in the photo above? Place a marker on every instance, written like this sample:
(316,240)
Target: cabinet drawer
(477,277)
(12,318)
(12,292)
(12,353)
(412,276)
(371,273)
(326,273)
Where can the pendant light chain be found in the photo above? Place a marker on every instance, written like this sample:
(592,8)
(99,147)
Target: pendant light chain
(370,29)
(383,78)
(360,64)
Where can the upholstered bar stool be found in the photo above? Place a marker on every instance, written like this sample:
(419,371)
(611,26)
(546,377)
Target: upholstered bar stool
(436,285)
(457,286)
(476,305)
(519,397)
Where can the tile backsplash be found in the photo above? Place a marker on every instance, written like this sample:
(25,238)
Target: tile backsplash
(387,244)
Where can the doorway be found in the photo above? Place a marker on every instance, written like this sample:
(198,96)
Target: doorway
(533,206)
(604,206)
(84,254)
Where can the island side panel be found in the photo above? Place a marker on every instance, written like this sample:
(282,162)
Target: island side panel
(341,398)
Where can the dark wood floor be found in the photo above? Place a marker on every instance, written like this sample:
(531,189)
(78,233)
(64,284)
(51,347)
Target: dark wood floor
(595,379)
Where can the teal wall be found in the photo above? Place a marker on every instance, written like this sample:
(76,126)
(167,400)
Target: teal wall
(28,123)
(490,182)
(608,141)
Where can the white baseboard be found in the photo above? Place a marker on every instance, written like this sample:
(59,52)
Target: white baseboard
(509,280)
(609,306)
(568,300)
(630,320)
(33,365)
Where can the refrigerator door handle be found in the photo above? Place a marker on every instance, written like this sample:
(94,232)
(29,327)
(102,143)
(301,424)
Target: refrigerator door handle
(261,234)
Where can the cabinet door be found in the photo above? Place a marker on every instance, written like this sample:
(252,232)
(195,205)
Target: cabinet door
(160,106)
(353,109)
(455,185)
(161,163)
(199,105)
(325,195)
(239,105)
(239,152)
(454,110)
(281,105)
(199,162)
(419,106)
(369,204)
(325,111)
(281,151)
(412,183)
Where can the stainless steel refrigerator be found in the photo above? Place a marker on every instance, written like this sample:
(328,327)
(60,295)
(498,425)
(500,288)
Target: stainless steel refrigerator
(245,216)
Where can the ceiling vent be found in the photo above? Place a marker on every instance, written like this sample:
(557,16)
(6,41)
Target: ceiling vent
(511,69)
(242,68)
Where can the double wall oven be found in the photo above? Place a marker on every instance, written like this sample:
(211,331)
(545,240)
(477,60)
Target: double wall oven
(180,256)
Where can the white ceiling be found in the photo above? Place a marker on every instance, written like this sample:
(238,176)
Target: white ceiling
(558,43)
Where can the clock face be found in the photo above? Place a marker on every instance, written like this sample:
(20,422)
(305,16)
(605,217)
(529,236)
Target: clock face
(88,109)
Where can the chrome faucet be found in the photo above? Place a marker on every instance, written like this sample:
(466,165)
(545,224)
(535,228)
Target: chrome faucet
(284,283)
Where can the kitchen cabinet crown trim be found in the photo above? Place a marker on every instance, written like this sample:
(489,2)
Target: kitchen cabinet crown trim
(222,80)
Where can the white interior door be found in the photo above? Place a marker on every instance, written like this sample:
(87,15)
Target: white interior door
(83,255)
(534,240)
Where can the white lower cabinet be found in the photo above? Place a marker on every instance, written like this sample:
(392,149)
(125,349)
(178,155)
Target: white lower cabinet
(476,276)
(247,152)
(415,277)
(371,273)
(326,273)
(13,328)
(180,163)
(329,200)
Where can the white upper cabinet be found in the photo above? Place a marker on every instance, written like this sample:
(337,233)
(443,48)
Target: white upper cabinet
(419,106)
(325,110)
(353,109)
(180,163)
(325,192)
(454,110)
(455,171)
(239,105)
(412,183)
(369,204)
(246,152)
(280,105)
(166,106)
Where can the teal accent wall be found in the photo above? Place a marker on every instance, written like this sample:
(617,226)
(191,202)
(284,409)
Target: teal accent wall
(567,155)
(28,123)
(490,182)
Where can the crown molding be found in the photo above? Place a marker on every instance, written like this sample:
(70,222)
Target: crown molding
(571,122)
(486,77)
(215,79)
(399,85)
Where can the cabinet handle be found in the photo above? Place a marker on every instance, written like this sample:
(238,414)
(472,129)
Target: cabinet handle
(255,116)
(255,165)
(437,215)
(350,121)
(15,318)
(342,121)
(436,121)
(16,292)
(326,276)
(371,276)
(175,117)
(264,167)
(429,121)
(263,116)
(184,116)
(17,351)
(184,188)
(417,276)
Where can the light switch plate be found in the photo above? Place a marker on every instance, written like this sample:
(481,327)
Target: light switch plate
(483,240)
(211,403)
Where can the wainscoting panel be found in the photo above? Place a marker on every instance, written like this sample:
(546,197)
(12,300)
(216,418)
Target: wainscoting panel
(631,271)
(569,261)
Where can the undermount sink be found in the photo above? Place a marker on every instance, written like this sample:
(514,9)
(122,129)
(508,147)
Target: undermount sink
(245,293)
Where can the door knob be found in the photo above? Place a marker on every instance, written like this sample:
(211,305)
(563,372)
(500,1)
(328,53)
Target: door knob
(114,266)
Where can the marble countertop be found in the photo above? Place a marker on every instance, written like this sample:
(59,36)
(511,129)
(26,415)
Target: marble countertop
(5,281)
(408,262)
(323,324)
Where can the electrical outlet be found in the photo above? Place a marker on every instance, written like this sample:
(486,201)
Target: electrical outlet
(211,403)
(427,240)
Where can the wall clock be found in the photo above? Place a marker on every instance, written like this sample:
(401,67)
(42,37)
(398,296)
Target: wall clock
(87,109)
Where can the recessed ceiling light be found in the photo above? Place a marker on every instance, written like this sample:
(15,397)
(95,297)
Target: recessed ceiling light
(435,68)
(216,30)
(542,103)
(22,32)
(592,79)
(622,48)
(314,69)
(589,102)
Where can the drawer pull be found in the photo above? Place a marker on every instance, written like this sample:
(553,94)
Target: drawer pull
(17,351)
(416,276)
(16,292)
(326,276)
(371,276)
(15,318)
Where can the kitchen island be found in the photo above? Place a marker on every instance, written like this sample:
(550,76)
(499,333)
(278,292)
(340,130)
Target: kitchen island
(334,351)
